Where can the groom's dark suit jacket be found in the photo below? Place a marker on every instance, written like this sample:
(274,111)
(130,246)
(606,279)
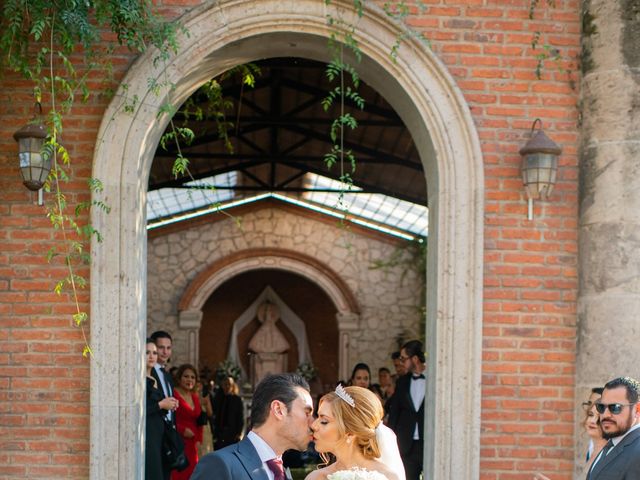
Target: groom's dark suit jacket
(622,463)
(239,461)
(403,416)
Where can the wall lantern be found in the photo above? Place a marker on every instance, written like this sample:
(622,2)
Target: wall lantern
(539,166)
(35,164)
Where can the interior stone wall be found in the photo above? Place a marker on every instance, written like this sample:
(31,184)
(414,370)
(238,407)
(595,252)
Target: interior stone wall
(388,298)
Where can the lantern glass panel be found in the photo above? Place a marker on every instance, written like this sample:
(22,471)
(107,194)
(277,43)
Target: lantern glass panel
(34,165)
(539,172)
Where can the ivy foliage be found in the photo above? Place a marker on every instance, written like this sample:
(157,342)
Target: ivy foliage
(55,45)
(69,23)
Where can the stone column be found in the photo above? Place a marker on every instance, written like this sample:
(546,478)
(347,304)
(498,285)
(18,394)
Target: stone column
(609,223)
(348,322)
(189,322)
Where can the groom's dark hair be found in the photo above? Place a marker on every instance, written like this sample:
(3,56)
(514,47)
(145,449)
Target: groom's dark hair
(280,387)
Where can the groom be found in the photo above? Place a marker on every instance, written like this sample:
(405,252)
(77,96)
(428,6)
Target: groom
(281,417)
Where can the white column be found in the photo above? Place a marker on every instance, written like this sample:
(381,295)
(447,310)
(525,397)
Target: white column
(348,322)
(189,321)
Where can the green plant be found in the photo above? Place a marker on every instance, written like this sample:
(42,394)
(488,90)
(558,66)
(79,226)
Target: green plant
(55,45)
(307,371)
(228,368)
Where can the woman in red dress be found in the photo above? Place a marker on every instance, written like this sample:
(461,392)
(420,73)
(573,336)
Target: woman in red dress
(187,415)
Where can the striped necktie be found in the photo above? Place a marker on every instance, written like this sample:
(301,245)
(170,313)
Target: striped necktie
(275,465)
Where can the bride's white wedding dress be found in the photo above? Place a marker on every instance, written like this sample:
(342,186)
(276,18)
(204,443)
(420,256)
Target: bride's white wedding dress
(356,474)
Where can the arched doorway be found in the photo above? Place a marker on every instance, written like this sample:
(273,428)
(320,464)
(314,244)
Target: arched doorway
(422,93)
(321,276)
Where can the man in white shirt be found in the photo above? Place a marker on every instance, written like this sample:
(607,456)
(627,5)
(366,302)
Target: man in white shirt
(619,409)
(281,418)
(406,409)
(164,344)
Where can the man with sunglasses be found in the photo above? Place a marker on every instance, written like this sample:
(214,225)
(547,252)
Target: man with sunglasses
(619,409)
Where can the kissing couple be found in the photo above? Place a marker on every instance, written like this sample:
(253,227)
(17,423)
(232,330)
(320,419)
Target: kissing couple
(349,426)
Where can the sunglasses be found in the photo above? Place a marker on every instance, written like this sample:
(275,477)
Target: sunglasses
(614,408)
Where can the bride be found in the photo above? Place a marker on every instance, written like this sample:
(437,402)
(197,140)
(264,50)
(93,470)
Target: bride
(349,425)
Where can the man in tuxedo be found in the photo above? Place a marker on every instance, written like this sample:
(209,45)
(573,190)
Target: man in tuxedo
(619,410)
(164,344)
(160,371)
(406,409)
(281,417)
(398,366)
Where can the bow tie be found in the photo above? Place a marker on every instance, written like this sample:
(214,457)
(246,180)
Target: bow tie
(416,377)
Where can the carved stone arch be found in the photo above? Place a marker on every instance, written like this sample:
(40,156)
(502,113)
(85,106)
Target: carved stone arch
(212,277)
(419,88)
(209,279)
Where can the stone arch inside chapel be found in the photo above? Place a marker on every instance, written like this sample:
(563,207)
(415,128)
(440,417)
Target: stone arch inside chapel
(417,85)
(200,289)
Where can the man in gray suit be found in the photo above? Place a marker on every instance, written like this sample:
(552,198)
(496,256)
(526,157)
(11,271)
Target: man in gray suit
(619,410)
(281,417)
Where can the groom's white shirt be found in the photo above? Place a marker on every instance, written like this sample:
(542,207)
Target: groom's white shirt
(265,452)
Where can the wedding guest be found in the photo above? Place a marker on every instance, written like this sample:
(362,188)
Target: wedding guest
(228,418)
(406,408)
(386,383)
(591,424)
(157,407)
(361,376)
(187,416)
(206,446)
(595,394)
(216,394)
(593,428)
(398,366)
(164,344)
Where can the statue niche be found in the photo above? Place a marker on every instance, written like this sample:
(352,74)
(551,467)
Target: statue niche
(268,346)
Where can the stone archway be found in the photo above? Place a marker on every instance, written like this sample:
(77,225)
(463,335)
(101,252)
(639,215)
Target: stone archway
(201,288)
(421,91)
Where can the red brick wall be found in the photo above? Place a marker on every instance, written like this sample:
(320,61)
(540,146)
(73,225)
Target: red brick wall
(530,282)
(530,266)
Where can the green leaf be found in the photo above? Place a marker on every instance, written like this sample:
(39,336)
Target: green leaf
(180,165)
(79,318)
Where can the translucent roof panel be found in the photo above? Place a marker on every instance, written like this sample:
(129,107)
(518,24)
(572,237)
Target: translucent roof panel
(169,202)
(383,209)
(373,210)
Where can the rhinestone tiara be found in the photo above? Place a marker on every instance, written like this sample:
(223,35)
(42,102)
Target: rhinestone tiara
(342,393)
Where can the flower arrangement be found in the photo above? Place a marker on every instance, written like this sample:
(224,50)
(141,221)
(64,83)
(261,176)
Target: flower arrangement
(307,371)
(356,474)
(228,368)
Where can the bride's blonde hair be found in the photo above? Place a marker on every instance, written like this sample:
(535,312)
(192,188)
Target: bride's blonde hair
(360,420)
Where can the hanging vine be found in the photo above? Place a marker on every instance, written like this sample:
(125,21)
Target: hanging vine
(39,42)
